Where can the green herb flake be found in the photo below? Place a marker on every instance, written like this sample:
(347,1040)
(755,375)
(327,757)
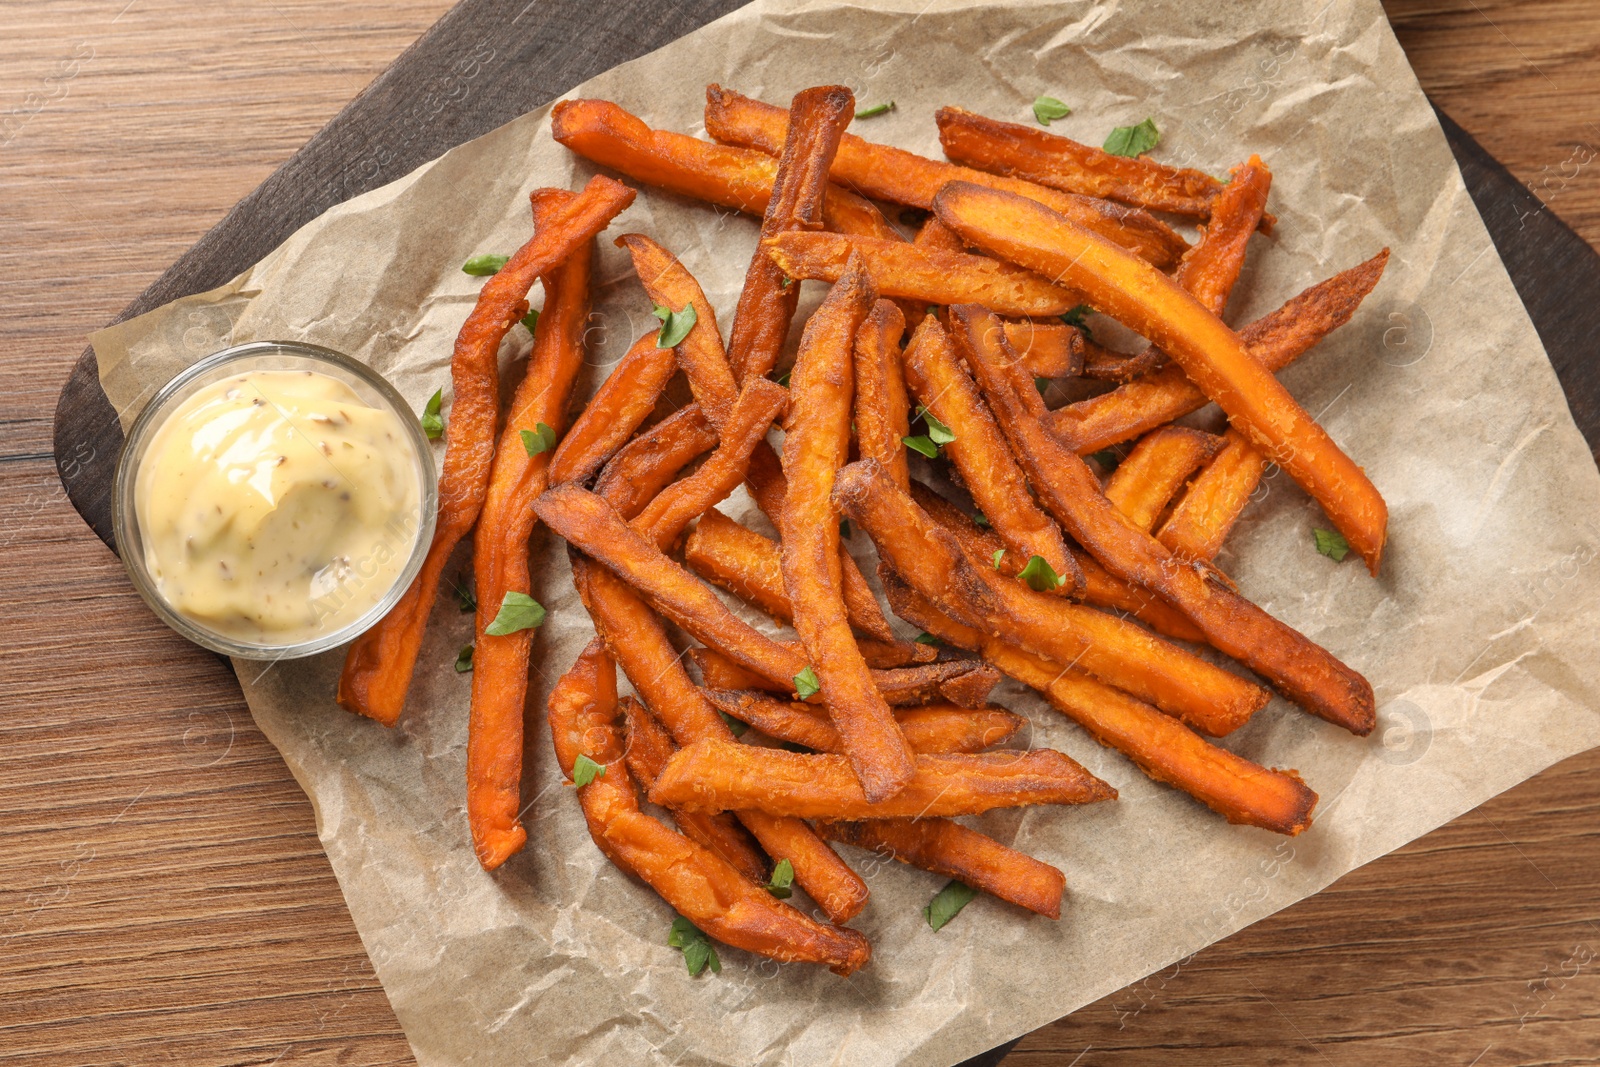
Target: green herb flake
(875,110)
(1042,384)
(1047,108)
(938,432)
(465,597)
(483,266)
(1075,317)
(947,904)
(518,611)
(696,946)
(1107,459)
(844,529)
(735,727)
(542,439)
(531,319)
(926,638)
(806,684)
(981,519)
(1040,576)
(432,421)
(586,770)
(1133,140)
(784,381)
(782,880)
(921,444)
(464,659)
(999,554)
(1331,543)
(675,325)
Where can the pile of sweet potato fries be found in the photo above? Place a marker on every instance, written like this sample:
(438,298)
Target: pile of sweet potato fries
(1094,591)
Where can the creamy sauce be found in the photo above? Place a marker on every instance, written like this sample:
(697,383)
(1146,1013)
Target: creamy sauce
(277,506)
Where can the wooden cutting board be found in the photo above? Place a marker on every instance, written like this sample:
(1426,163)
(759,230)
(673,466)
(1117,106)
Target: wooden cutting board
(487,62)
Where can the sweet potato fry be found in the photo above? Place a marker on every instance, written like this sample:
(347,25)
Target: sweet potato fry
(1151,475)
(500,552)
(955,851)
(1162,747)
(379,664)
(966,683)
(737,178)
(882,422)
(816,444)
(1047,349)
(1104,365)
(719,776)
(935,236)
(1275,340)
(900,269)
(1032,154)
(700,885)
(974,593)
(902,177)
(719,672)
(700,353)
(644,466)
(618,408)
(1301,670)
(1200,521)
(930,729)
(648,748)
(818,117)
(981,454)
(1129,290)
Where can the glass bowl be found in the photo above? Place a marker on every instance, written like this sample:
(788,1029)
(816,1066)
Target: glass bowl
(240,359)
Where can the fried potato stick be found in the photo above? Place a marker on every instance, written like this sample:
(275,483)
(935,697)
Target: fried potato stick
(955,851)
(1301,670)
(1129,290)
(1201,519)
(645,465)
(1047,349)
(379,664)
(1146,481)
(1275,341)
(700,353)
(902,177)
(966,683)
(930,729)
(720,776)
(500,553)
(980,452)
(973,592)
(882,410)
(1160,746)
(619,407)
(700,885)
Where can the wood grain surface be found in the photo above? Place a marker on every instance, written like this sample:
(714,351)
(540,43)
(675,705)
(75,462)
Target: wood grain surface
(163,898)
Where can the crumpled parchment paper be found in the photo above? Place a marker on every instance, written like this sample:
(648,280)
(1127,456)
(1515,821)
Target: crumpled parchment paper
(1478,636)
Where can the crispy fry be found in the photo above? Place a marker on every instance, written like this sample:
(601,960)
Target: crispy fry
(378,666)
(953,850)
(1102,364)
(963,682)
(1276,340)
(701,886)
(1035,155)
(935,236)
(902,177)
(816,445)
(930,729)
(644,466)
(618,408)
(881,405)
(1162,747)
(1301,670)
(700,353)
(719,776)
(719,672)
(500,553)
(1047,349)
(737,178)
(974,593)
(1129,290)
(988,469)
(766,304)
(648,748)
(1200,521)
(900,269)
(1151,475)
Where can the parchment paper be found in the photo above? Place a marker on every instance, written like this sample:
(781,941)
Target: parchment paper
(1478,637)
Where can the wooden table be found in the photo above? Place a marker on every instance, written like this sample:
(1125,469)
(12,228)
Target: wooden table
(163,897)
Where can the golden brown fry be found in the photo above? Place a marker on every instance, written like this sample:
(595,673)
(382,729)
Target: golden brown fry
(1102,364)
(1047,349)
(644,466)
(900,269)
(966,683)
(816,444)
(1275,341)
(1031,153)
(1162,747)
(719,776)
(618,408)
(379,664)
(935,236)
(930,729)
(1146,481)
(719,672)
(974,593)
(1200,521)
(1132,292)
(766,304)
(901,177)
(1298,668)
(953,850)
(988,469)
(700,885)
(882,421)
